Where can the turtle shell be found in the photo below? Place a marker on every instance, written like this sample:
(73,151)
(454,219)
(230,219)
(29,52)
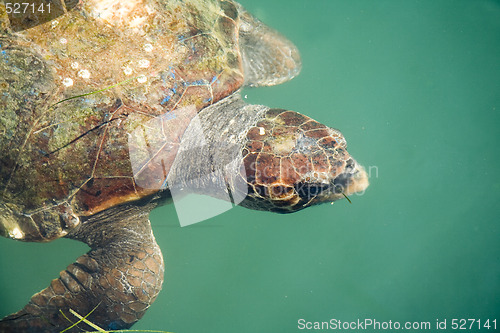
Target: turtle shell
(77,91)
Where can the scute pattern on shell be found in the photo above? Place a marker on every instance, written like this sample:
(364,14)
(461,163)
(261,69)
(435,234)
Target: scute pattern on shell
(129,62)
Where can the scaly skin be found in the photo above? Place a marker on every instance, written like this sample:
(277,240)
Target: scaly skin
(292,162)
(118,278)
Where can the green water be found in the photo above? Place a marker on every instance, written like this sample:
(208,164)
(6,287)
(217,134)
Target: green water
(415,88)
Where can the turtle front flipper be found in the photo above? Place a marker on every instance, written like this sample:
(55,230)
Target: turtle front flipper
(268,57)
(115,282)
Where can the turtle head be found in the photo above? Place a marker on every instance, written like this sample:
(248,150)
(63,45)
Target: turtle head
(292,162)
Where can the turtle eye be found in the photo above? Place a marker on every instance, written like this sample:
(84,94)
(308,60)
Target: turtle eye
(309,190)
(280,192)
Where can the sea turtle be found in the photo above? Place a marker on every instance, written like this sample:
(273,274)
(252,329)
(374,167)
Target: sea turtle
(109,106)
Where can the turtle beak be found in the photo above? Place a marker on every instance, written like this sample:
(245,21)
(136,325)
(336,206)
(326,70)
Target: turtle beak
(354,179)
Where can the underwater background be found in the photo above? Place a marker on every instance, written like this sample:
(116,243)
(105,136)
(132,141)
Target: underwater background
(415,88)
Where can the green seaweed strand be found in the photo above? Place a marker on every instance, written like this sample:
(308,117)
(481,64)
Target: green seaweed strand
(97,91)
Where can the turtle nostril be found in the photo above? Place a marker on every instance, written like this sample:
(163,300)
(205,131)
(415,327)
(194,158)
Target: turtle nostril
(350,165)
(341,182)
